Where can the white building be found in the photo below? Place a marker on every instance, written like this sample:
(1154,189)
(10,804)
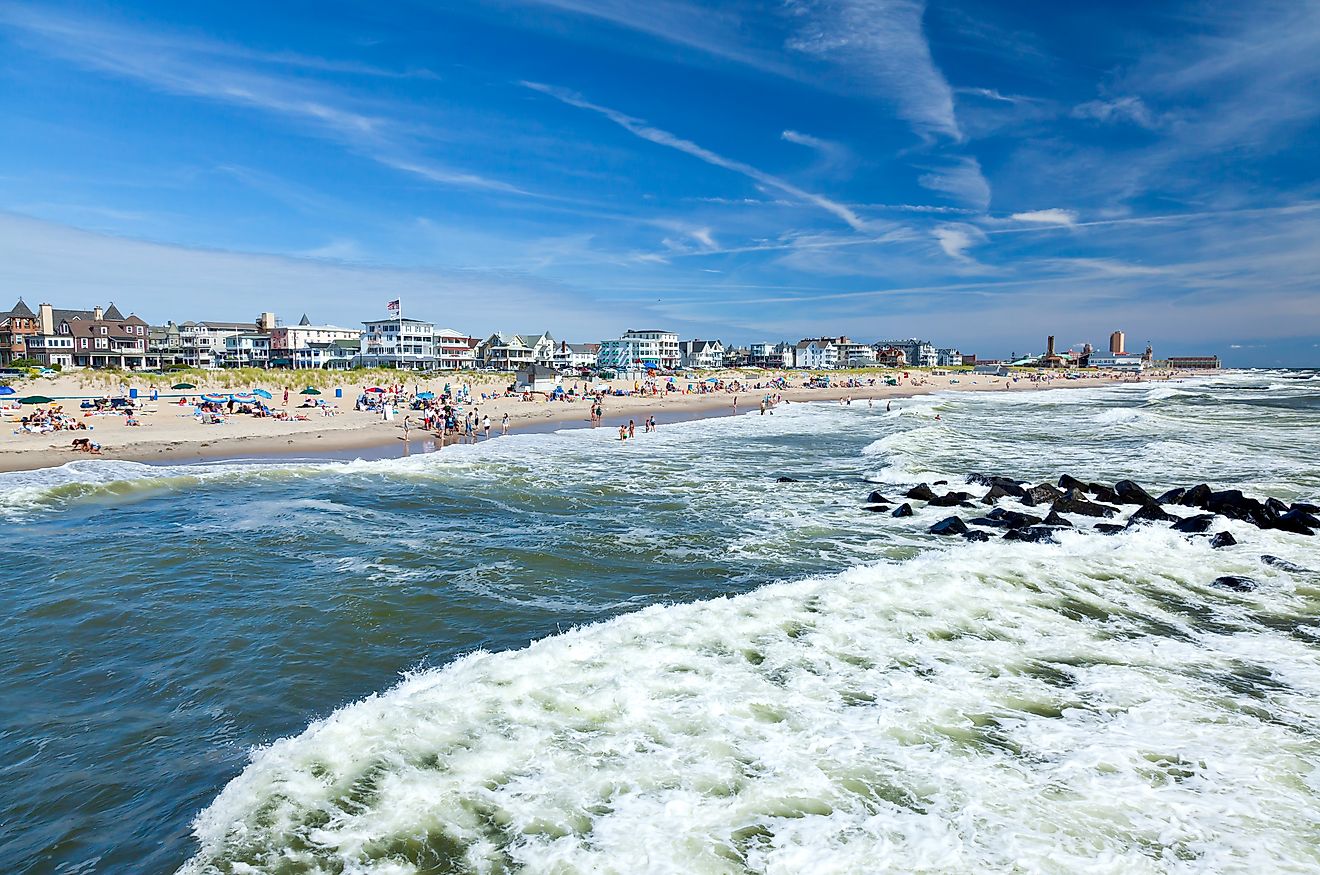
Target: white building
(576,355)
(398,343)
(250,350)
(285,340)
(772,355)
(701,354)
(948,357)
(455,350)
(1118,362)
(334,355)
(819,353)
(203,344)
(505,352)
(640,350)
(854,355)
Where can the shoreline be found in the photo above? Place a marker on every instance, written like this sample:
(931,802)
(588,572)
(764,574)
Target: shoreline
(354,435)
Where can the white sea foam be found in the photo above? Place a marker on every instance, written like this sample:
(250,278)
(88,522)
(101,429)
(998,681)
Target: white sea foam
(1086,707)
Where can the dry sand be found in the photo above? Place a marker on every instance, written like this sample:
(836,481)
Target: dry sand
(169,432)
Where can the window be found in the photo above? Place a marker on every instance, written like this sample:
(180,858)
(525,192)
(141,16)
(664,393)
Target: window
(84,343)
(103,330)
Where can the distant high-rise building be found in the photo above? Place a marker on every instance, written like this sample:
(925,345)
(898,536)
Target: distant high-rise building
(1116,343)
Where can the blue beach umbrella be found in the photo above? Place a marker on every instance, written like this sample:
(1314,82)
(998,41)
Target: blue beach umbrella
(214,398)
(261,393)
(7,390)
(426,396)
(243,398)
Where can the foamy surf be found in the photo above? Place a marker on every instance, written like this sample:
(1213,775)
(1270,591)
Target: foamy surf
(1092,707)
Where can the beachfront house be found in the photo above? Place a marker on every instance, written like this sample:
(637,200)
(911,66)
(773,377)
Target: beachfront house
(16,327)
(772,355)
(639,350)
(891,357)
(701,354)
(576,355)
(247,350)
(455,351)
(948,357)
(329,355)
(406,344)
(93,338)
(918,353)
(817,353)
(286,340)
(504,352)
(854,355)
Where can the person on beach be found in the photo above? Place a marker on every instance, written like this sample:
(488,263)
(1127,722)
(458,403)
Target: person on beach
(735,404)
(504,425)
(485,425)
(632,429)
(623,432)
(407,427)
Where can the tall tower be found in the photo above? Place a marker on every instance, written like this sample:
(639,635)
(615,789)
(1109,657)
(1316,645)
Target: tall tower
(1116,343)
(1049,346)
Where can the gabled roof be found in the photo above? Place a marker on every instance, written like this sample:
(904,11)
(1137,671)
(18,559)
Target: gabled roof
(304,320)
(112,313)
(22,310)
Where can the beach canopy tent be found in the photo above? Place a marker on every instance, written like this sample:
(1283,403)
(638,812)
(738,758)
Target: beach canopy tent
(6,390)
(35,399)
(261,393)
(183,386)
(310,390)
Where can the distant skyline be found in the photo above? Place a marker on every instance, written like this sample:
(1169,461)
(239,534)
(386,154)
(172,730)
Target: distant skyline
(978,173)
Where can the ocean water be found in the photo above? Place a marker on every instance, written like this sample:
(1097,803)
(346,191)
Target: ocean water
(556,653)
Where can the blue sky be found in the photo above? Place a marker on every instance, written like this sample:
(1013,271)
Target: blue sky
(980,173)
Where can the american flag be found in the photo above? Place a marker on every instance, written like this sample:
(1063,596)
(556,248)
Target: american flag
(393,306)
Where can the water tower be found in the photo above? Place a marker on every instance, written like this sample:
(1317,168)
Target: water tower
(1116,343)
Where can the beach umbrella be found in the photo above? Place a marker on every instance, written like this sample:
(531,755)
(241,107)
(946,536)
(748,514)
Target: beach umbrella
(6,390)
(261,393)
(376,389)
(35,399)
(310,391)
(213,398)
(183,386)
(244,398)
(426,396)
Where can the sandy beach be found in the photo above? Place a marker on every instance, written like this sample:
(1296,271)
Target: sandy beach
(169,431)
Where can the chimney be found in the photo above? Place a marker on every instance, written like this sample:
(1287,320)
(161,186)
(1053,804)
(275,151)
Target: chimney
(97,314)
(46,319)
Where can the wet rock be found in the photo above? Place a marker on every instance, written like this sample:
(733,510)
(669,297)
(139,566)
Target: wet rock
(951,499)
(1103,493)
(1305,508)
(1173,496)
(1235,582)
(1067,481)
(875,508)
(1195,524)
(1034,535)
(1130,492)
(1222,540)
(1196,496)
(999,518)
(940,483)
(1285,565)
(949,526)
(1074,503)
(974,535)
(877,497)
(1108,528)
(1234,505)
(1054,520)
(904,509)
(921,492)
(785,480)
(997,492)
(1151,513)
(1296,521)
(992,480)
(1277,506)
(1042,494)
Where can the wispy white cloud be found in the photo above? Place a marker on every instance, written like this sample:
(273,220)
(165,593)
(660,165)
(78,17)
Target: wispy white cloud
(956,239)
(994,94)
(961,179)
(641,129)
(1053,216)
(1119,109)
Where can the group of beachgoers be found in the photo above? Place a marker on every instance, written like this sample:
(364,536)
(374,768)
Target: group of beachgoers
(48,421)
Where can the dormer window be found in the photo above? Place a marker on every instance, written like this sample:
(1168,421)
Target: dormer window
(103,329)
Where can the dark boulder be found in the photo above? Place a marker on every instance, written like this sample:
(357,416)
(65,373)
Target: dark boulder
(1042,494)
(1151,513)
(1108,528)
(1054,520)
(1234,505)
(903,509)
(997,492)
(1103,493)
(940,483)
(785,480)
(1222,540)
(999,518)
(1277,506)
(949,526)
(1129,492)
(1067,481)
(1296,521)
(1304,507)
(974,535)
(1285,565)
(1195,524)
(993,480)
(875,508)
(1034,535)
(1173,496)
(1196,496)
(1074,503)
(921,492)
(951,499)
(877,497)
(1234,582)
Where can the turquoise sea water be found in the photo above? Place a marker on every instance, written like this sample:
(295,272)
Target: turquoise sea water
(325,666)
